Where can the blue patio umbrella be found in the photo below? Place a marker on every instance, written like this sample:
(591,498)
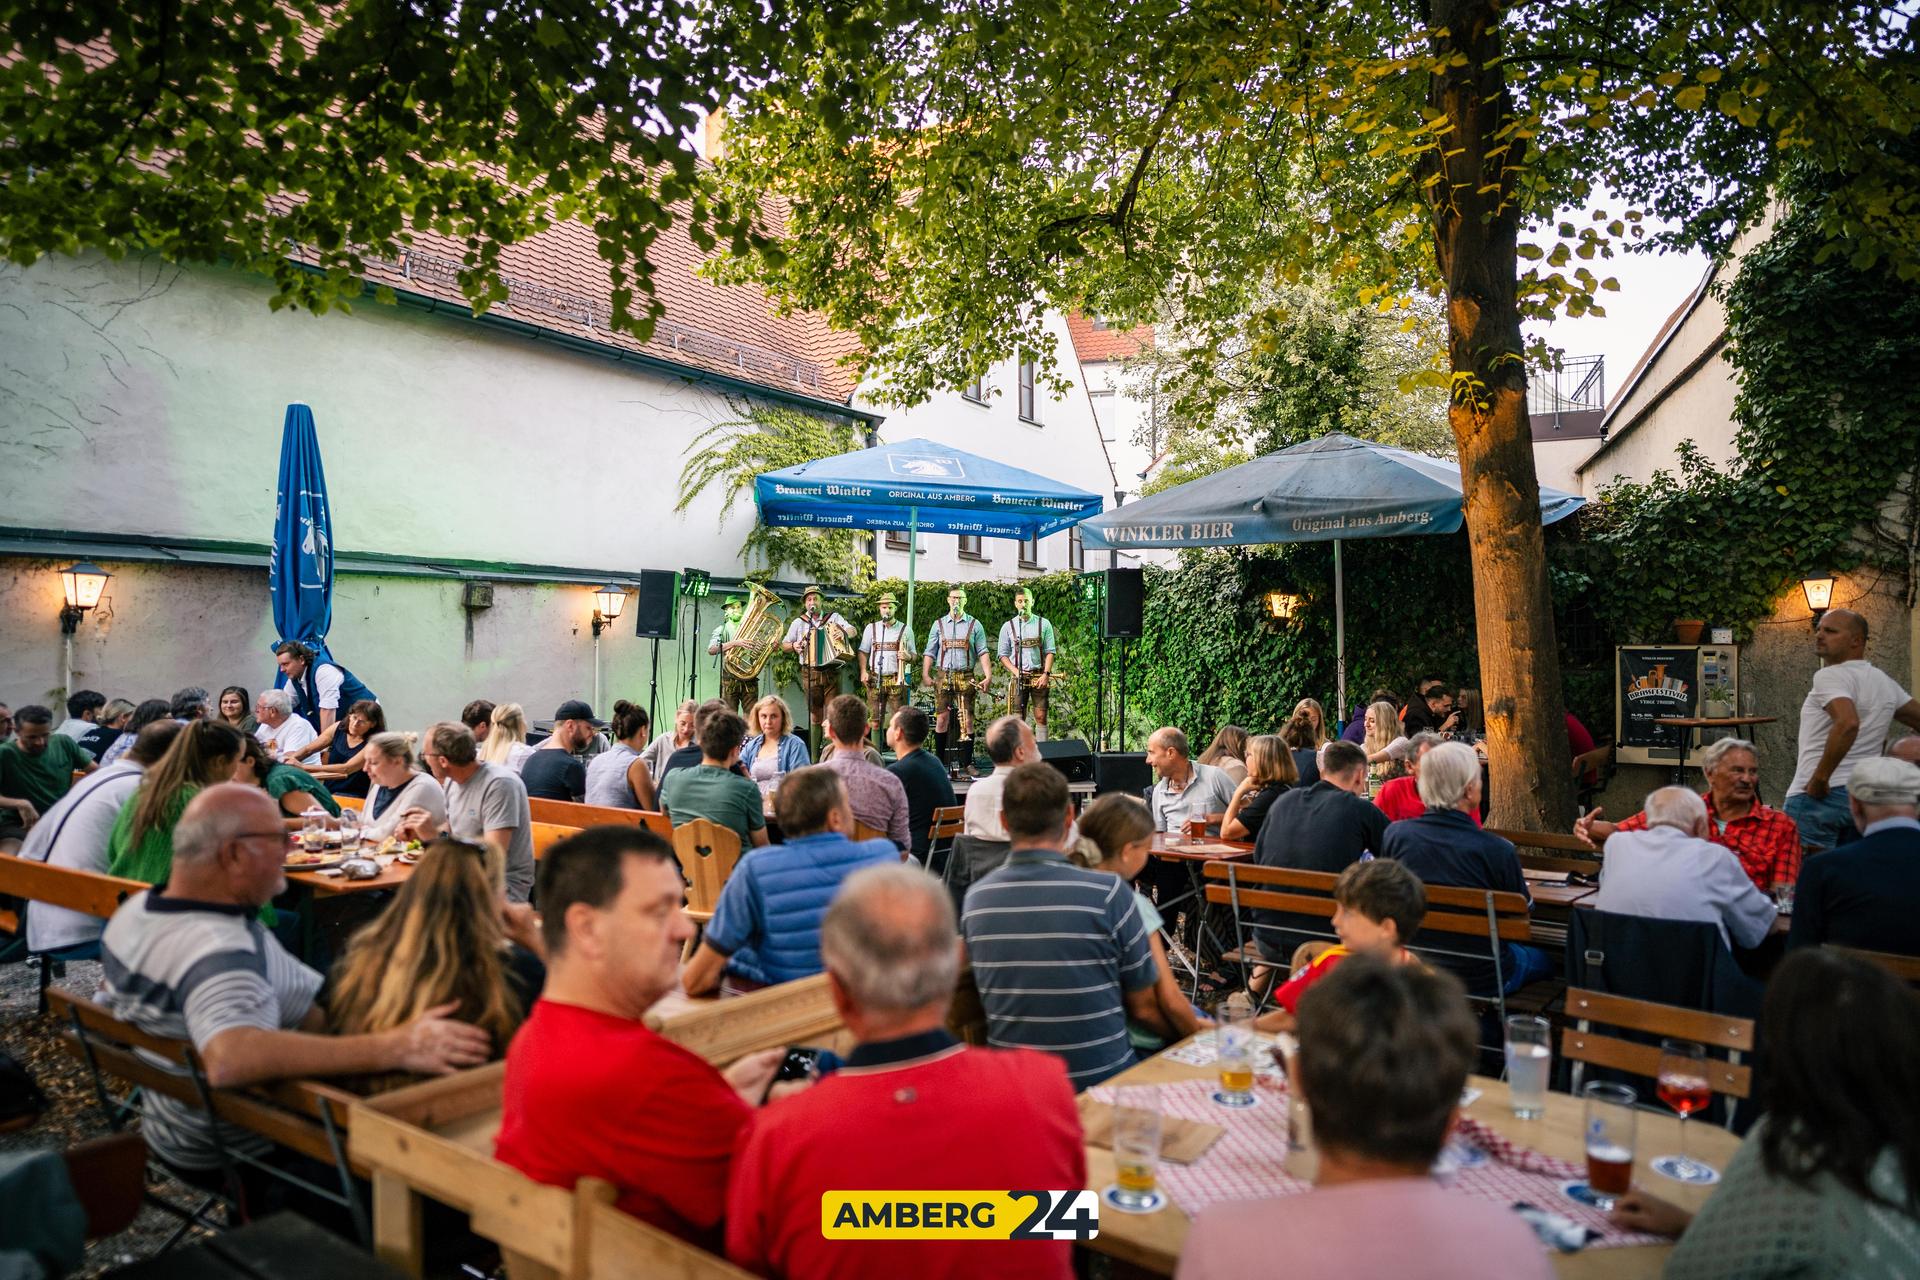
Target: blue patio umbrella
(1324,490)
(300,570)
(920,486)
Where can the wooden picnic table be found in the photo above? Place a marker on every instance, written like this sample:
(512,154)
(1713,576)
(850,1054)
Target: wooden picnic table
(322,884)
(1153,1241)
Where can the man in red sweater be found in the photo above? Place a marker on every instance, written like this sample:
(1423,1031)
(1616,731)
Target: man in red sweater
(1400,797)
(912,1110)
(590,1091)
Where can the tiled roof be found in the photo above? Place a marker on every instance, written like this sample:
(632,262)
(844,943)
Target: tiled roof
(556,280)
(1091,345)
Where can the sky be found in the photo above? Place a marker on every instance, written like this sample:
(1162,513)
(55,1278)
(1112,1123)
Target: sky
(1651,286)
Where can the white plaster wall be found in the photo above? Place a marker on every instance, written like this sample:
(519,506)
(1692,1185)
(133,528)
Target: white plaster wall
(1557,462)
(156,396)
(1123,416)
(1064,445)
(1700,409)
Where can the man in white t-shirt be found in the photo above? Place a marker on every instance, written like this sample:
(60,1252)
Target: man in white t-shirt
(1843,721)
(1010,744)
(280,731)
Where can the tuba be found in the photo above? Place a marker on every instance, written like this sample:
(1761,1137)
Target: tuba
(758,634)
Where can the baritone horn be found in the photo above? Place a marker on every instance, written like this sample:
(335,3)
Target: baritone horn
(757,636)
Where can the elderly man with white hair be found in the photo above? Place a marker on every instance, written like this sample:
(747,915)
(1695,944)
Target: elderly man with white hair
(1670,871)
(280,731)
(1867,894)
(1764,839)
(911,1103)
(1446,846)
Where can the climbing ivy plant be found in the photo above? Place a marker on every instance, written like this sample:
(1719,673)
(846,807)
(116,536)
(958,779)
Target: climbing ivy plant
(762,437)
(1828,437)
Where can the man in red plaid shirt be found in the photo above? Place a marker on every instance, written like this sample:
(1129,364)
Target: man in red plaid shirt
(1763,838)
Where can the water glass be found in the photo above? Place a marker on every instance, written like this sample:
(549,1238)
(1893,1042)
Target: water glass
(1529,1062)
(1783,896)
(313,830)
(1136,1145)
(349,833)
(1611,1119)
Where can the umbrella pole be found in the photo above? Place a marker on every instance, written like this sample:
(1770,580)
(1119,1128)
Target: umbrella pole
(913,556)
(1339,635)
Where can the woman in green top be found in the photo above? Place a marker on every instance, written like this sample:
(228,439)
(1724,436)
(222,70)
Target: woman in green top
(1825,1184)
(1116,834)
(292,788)
(141,847)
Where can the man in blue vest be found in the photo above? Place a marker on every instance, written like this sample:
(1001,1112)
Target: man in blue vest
(766,926)
(321,691)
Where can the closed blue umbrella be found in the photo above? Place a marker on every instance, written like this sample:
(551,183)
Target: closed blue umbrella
(920,486)
(1324,490)
(300,571)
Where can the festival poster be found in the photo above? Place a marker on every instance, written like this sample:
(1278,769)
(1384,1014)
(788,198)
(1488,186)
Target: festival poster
(1656,682)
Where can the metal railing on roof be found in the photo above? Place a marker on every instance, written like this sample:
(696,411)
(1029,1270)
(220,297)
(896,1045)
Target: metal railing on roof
(1579,384)
(528,297)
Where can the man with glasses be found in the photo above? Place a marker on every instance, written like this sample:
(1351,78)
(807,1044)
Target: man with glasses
(190,960)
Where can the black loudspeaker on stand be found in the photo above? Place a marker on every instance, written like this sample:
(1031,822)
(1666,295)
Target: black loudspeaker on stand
(1071,756)
(1122,618)
(654,614)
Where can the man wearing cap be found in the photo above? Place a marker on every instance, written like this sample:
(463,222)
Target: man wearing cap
(1867,894)
(1026,651)
(553,771)
(820,679)
(957,644)
(738,694)
(886,656)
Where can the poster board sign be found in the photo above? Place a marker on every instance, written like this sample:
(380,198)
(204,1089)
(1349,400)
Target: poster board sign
(1653,682)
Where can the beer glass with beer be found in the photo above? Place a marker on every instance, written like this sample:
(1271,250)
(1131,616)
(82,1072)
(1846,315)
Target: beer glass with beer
(1684,1086)
(1136,1146)
(1233,1037)
(1610,1126)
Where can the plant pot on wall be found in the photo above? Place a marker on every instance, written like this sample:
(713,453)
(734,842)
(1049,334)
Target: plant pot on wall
(1687,630)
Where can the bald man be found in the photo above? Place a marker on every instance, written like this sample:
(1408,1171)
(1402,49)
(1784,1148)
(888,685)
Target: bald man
(1907,748)
(1843,721)
(189,960)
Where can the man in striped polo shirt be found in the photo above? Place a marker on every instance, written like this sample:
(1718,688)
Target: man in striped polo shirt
(1059,953)
(189,960)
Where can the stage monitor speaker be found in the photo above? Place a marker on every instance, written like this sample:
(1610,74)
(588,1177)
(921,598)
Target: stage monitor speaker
(654,613)
(1124,771)
(1071,756)
(1126,600)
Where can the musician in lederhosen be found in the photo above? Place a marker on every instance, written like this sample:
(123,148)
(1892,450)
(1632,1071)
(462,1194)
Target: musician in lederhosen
(1026,651)
(812,637)
(957,643)
(886,661)
(736,693)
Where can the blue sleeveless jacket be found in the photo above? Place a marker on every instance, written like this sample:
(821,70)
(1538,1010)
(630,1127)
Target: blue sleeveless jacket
(768,916)
(306,693)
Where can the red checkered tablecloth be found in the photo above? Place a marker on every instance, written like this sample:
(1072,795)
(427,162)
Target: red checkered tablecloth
(1249,1161)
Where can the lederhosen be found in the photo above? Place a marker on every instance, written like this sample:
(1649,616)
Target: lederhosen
(1022,692)
(888,693)
(955,688)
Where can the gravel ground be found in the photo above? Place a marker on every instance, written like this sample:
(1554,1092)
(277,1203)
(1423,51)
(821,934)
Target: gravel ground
(74,1116)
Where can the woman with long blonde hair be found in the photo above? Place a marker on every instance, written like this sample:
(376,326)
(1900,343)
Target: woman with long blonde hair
(506,743)
(1271,772)
(1318,714)
(446,943)
(1385,745)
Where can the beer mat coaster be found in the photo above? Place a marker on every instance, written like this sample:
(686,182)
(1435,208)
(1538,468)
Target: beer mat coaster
(1249,1161)
(1202,1051)
(1181,1141)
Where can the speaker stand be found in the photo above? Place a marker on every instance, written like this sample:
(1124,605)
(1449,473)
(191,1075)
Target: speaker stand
(1123,695)
(653,688)
(693,655)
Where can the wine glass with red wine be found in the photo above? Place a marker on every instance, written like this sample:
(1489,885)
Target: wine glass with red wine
(1684,1085)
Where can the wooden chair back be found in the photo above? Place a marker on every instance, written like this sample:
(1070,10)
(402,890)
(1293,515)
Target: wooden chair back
(1905,968)
(708,853)
(548,834)
(1306,953)
(1249,886)
(861,831)
(621,1247)
(722,1031)
(1551,842)
(1475,913)
(566,813)
(356,803)
(88,892)
(1580,1043)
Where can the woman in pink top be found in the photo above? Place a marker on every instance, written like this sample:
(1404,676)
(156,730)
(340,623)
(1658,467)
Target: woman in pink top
(1384,1053)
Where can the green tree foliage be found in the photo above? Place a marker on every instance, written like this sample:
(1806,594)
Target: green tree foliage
(1828,444)
(1307,363)
(766,437)
(303,140)
(962,168)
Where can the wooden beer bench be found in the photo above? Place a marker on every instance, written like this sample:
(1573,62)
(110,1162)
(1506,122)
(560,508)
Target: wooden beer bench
(567,813)
(88,892)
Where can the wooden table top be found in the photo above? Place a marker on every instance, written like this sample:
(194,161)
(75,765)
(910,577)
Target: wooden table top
(1701,722)
(1178,848)
(321,883)
(1154,1241)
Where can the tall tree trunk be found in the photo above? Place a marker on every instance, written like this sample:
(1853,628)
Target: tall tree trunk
(1476,229)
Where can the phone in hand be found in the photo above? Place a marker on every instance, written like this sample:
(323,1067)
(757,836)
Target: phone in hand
(799,1064)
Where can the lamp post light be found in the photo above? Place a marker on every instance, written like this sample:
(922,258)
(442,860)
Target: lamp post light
(1282,606)
(1818,589)
(607,603)
(82,585)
